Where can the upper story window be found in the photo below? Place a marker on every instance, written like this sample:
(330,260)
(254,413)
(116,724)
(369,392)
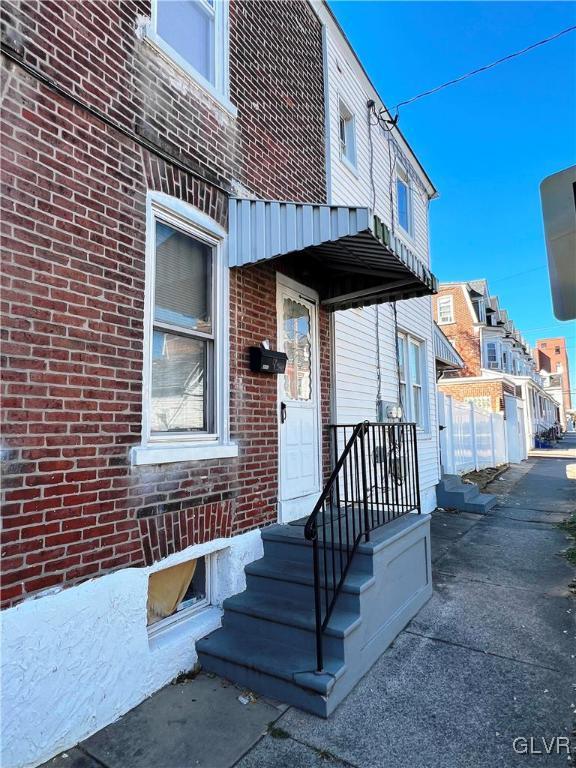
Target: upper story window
(445,310)
(347,135)
(492,355)
(194,34)
(404,201)
(556,350)
(412,367)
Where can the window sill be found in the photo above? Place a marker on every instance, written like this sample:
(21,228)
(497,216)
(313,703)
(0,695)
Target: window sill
(174,58)
(190,627)
(171,453)
(349,165)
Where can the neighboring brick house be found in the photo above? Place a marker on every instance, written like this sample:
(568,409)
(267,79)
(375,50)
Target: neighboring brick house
(551,358)
(499,371)
(140,450)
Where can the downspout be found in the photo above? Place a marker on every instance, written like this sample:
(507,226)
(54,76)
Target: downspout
(328,174)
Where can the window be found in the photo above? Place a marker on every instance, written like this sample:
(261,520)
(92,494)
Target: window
(492,355)
(556,350)
(182,366)
(177,591)
(347,135)
(184,395)
(194,34)
(412,368)
(445,310)
(403,201)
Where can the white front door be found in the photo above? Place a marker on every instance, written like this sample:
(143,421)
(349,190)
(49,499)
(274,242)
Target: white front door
(298,400)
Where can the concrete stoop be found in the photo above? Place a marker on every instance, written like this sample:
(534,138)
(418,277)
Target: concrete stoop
(267,639)
(453,493)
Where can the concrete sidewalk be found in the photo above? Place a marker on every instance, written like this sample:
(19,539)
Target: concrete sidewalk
(490,658)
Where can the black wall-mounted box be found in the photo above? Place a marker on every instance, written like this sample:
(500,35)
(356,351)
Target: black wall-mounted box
(267,360)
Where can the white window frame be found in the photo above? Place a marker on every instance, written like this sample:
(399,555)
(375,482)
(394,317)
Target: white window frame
(404,338)
(183,616)
(403,178)
(348,149)
(220,89)
(169,447)
(496,361)
(449,302)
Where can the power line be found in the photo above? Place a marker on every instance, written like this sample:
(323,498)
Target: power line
(517,274)
(484,68)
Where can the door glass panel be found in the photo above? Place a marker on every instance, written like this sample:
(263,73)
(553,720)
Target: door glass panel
(298,347)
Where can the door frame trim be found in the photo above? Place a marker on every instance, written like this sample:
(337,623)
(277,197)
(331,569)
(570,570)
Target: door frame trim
(285,505)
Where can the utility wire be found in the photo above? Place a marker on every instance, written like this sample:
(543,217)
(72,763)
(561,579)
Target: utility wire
(484,68)
(517,274)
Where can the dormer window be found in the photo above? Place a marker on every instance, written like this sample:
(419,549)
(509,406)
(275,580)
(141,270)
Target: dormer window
(445,310)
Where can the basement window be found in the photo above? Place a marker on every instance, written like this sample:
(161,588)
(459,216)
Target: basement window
(177,592)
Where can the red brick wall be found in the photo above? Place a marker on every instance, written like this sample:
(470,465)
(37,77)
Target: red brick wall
(555,350)
(73,229)
(462,390)
(461,332)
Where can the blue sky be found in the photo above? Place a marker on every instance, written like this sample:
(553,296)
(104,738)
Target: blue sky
(487,142)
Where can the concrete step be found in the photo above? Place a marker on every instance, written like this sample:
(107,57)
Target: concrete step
(266,616)
(453,493)
(267,641)
(288,542)
(273,669)
(294,580)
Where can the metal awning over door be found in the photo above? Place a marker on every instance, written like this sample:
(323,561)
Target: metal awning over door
(352,255)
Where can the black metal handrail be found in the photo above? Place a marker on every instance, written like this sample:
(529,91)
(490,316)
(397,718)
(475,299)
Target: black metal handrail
(374,481)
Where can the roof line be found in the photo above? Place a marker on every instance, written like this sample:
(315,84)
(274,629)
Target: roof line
(367,76)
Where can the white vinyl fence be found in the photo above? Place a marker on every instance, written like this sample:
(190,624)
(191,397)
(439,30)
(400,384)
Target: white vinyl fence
(471,438)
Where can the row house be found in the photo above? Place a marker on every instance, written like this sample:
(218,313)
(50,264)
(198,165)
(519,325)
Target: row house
(552,363)
(384,352)
(219,371)
(499,372)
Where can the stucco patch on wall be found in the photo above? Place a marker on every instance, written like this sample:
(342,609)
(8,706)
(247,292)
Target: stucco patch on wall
(77,660)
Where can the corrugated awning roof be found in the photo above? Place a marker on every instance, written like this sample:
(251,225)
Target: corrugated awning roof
(353,253)
(444,352)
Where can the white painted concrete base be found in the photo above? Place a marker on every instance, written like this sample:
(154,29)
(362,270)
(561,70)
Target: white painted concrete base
(75,660)
(428,499)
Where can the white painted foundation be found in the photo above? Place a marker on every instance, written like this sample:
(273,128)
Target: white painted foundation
(428,499)
(75,660)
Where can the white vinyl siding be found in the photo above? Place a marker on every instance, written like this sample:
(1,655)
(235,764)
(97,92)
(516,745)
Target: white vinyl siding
(356,366)
(356,370)
(412,362)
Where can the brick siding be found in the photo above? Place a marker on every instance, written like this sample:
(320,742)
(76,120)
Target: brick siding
(73,229)
(461,333)
(464,390)
(546,348)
